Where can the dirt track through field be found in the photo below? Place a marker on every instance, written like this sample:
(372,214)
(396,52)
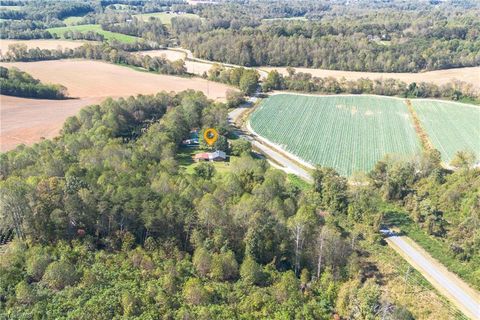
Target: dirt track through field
(27,120)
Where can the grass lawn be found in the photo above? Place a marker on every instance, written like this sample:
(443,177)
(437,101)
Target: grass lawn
(438,249)
(70,21)
(165,18)
(185,159)
(96,28)
(298,182)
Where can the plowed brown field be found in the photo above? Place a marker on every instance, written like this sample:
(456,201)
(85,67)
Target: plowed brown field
(28,120)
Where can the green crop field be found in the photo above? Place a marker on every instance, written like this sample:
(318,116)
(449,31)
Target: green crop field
(450,126)
(96,28)
(348,133)
(165,18)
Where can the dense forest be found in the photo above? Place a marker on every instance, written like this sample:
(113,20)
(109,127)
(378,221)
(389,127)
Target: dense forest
(33,17)
(108,223)
(391,36)
(14,82)
(360,36)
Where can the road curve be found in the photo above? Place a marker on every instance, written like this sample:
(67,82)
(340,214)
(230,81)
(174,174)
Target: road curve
(458,292)
(279,161)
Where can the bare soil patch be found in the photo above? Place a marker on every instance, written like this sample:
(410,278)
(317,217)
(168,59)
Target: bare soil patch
(439,77)
(168,54)
(87,79)
(42,44)
(28,120)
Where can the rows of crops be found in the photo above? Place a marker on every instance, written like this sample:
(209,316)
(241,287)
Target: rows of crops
(348,133)
(450,126)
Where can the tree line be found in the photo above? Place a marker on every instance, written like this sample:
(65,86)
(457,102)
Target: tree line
(106,52)
(305,82)
(78,35)
(153,30)
(243,78)
(14,82)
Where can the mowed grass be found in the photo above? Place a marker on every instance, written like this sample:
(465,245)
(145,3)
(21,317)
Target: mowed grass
(165,18)
(70,21)
(450,126)
(185,160)
(96,28)
(348,133)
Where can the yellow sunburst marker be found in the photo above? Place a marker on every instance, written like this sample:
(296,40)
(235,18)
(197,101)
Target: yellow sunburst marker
(210,136)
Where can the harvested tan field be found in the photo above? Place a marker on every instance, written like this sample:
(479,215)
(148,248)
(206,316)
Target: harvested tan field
(470,75)
(42,44)
(198,68)
(193,67)
(168,54)
(87,79)
(27,120)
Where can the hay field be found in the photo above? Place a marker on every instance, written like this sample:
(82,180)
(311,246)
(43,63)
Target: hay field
(27,120)
(439,77)
(108,35)
(164,17)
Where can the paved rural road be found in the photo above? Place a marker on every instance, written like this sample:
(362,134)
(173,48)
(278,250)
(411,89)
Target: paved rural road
(459,293)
